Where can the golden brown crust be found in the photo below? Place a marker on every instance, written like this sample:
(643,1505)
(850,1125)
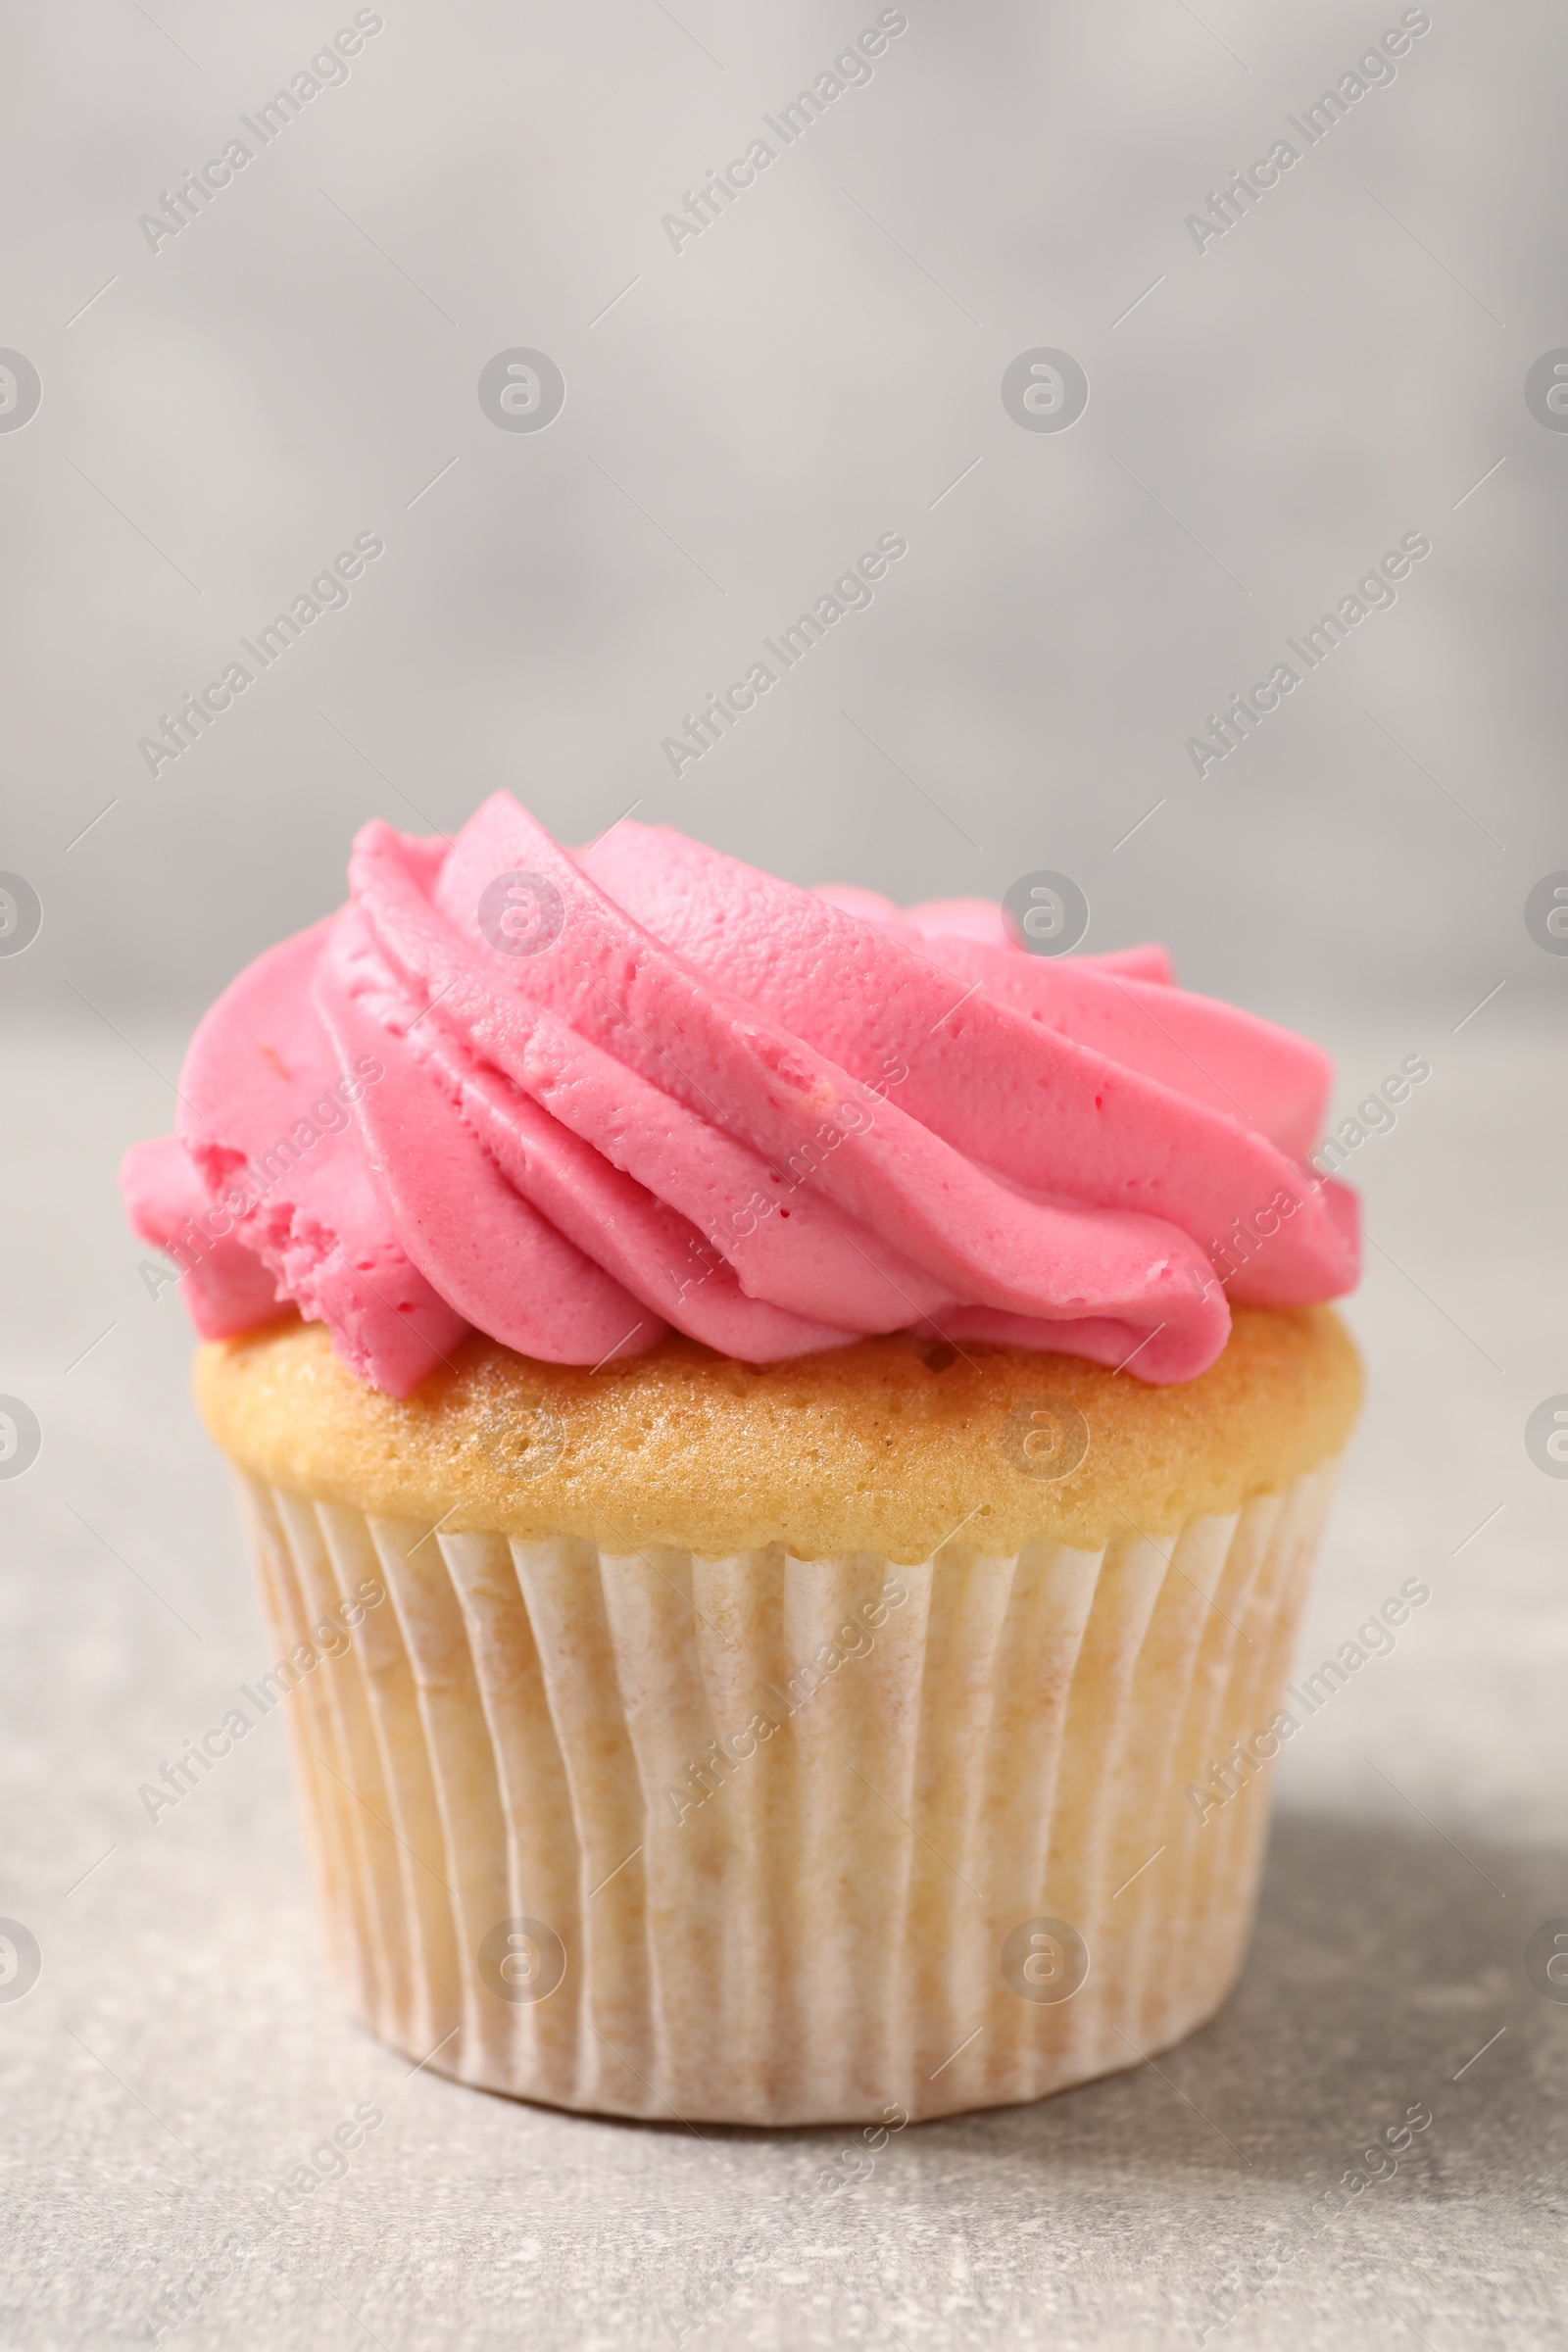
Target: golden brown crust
(890,1445)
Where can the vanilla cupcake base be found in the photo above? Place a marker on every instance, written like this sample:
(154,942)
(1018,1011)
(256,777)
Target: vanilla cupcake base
(759,1840)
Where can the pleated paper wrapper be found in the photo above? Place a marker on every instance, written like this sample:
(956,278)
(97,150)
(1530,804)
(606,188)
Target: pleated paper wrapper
(558,1856)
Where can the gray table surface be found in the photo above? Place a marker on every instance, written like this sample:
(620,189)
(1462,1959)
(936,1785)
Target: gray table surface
(181,2050)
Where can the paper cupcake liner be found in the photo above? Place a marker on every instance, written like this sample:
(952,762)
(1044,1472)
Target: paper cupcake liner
(767,1840)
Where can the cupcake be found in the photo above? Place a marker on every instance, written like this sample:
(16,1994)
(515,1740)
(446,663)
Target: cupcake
(784,1442)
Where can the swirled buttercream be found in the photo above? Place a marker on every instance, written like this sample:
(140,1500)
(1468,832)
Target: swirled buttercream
(571,1101)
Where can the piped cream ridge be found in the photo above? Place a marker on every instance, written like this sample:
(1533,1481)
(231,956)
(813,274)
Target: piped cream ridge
(573,1102)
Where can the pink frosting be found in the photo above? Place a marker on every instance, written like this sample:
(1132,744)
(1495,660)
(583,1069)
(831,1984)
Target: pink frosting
(573,1101)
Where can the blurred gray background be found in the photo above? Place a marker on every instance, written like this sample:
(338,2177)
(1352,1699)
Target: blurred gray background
(822,364)
(815,368)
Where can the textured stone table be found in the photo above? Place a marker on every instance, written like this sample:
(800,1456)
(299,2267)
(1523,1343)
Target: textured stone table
(182,2053)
